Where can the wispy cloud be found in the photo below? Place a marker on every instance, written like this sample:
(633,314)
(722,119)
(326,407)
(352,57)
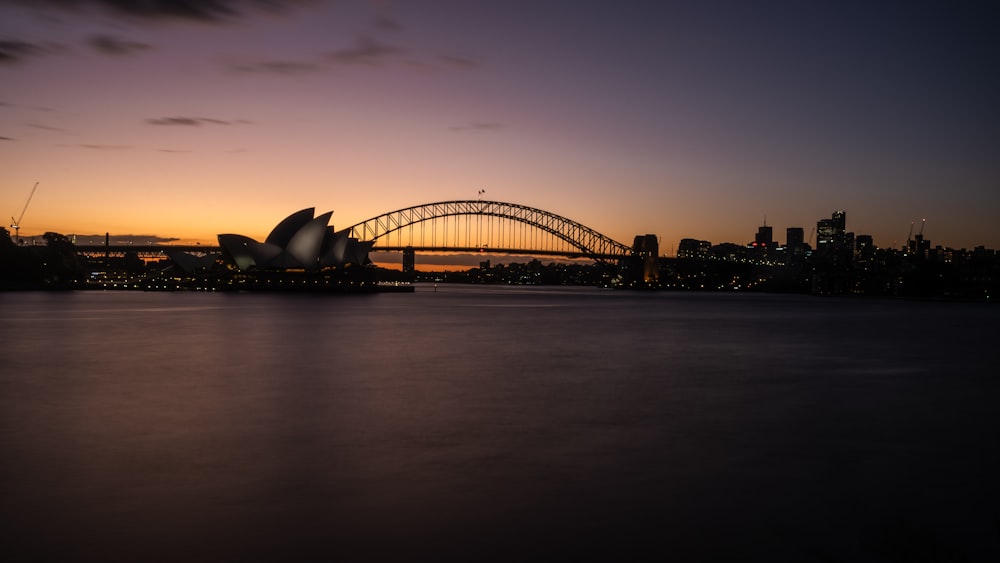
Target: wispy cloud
(366,51)
(13,51)
(478,127)
(46,127)
(106,147)
(385,23)
(285,68)
(109,45)
(205,11)
(189,121)
(6,139)
(453,61)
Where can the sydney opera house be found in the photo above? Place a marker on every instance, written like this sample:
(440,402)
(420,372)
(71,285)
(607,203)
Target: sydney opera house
(302,253)
(299,242)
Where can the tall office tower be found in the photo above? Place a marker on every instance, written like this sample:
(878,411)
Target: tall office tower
(409,260)
(765,236)
(826,232)
(840,220)
(864,248)
(795,239)
(831,230)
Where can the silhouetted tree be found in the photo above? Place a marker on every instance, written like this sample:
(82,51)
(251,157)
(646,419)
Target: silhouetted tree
(60,262)
(19,266)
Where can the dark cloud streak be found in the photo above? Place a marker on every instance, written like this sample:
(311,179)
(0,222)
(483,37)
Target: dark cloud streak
(13,51)
(366,51)
(115,46)
(478,127)
(205,11)
(457,62)
(188,121)
(106,147)
(46,127)
(386,23)
(284,68)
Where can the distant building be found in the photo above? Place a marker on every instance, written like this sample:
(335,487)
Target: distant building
(919,246)
(409,261)
(834,254)
(826,233)
(840,220)
(795,240)
(693,248)
(864,247)
(764,237)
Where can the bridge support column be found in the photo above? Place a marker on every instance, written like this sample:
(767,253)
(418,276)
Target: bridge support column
(645,266)
(409,262)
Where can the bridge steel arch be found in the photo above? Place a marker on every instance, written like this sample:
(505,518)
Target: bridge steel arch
(584,241)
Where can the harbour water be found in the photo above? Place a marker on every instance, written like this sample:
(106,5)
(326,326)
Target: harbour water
(496,423)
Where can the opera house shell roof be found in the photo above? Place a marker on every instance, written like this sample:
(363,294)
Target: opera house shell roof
(299,241)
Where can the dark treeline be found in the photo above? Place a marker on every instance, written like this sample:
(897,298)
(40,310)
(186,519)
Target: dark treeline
(52,265)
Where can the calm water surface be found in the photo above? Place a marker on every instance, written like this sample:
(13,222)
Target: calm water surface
(496,423)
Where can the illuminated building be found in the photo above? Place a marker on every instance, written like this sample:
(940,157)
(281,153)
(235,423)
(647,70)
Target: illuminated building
(692,248)
(299,242)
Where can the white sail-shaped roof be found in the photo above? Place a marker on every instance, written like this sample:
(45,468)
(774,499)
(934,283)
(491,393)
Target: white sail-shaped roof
(307,241)
(298,241)
(283,232)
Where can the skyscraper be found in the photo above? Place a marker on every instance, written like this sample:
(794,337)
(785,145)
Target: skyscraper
(765,236)
(795,239)
(830,231)
(840,220)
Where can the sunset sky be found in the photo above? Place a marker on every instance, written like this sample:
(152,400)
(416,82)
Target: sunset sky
(683,119)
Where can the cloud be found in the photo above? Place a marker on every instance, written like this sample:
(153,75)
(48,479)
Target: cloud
(107,147)
(205,11)
(109,45)
(453,61)
(188,121)
(478,127)
(47,127)
(285,68)
(6,139)
(366,51)
(385,23)
(13,51)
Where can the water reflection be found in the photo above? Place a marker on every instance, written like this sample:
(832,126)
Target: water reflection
(483,424)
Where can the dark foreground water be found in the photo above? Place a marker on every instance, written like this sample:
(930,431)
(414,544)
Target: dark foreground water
(510,424)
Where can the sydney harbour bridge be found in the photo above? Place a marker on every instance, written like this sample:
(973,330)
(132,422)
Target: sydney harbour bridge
(480,226)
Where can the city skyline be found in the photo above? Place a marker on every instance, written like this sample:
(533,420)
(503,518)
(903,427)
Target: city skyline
(189,119)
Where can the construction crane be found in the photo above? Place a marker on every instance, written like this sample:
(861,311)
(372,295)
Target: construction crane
(16,225)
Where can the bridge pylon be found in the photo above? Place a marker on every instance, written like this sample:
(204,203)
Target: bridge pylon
(644,263)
